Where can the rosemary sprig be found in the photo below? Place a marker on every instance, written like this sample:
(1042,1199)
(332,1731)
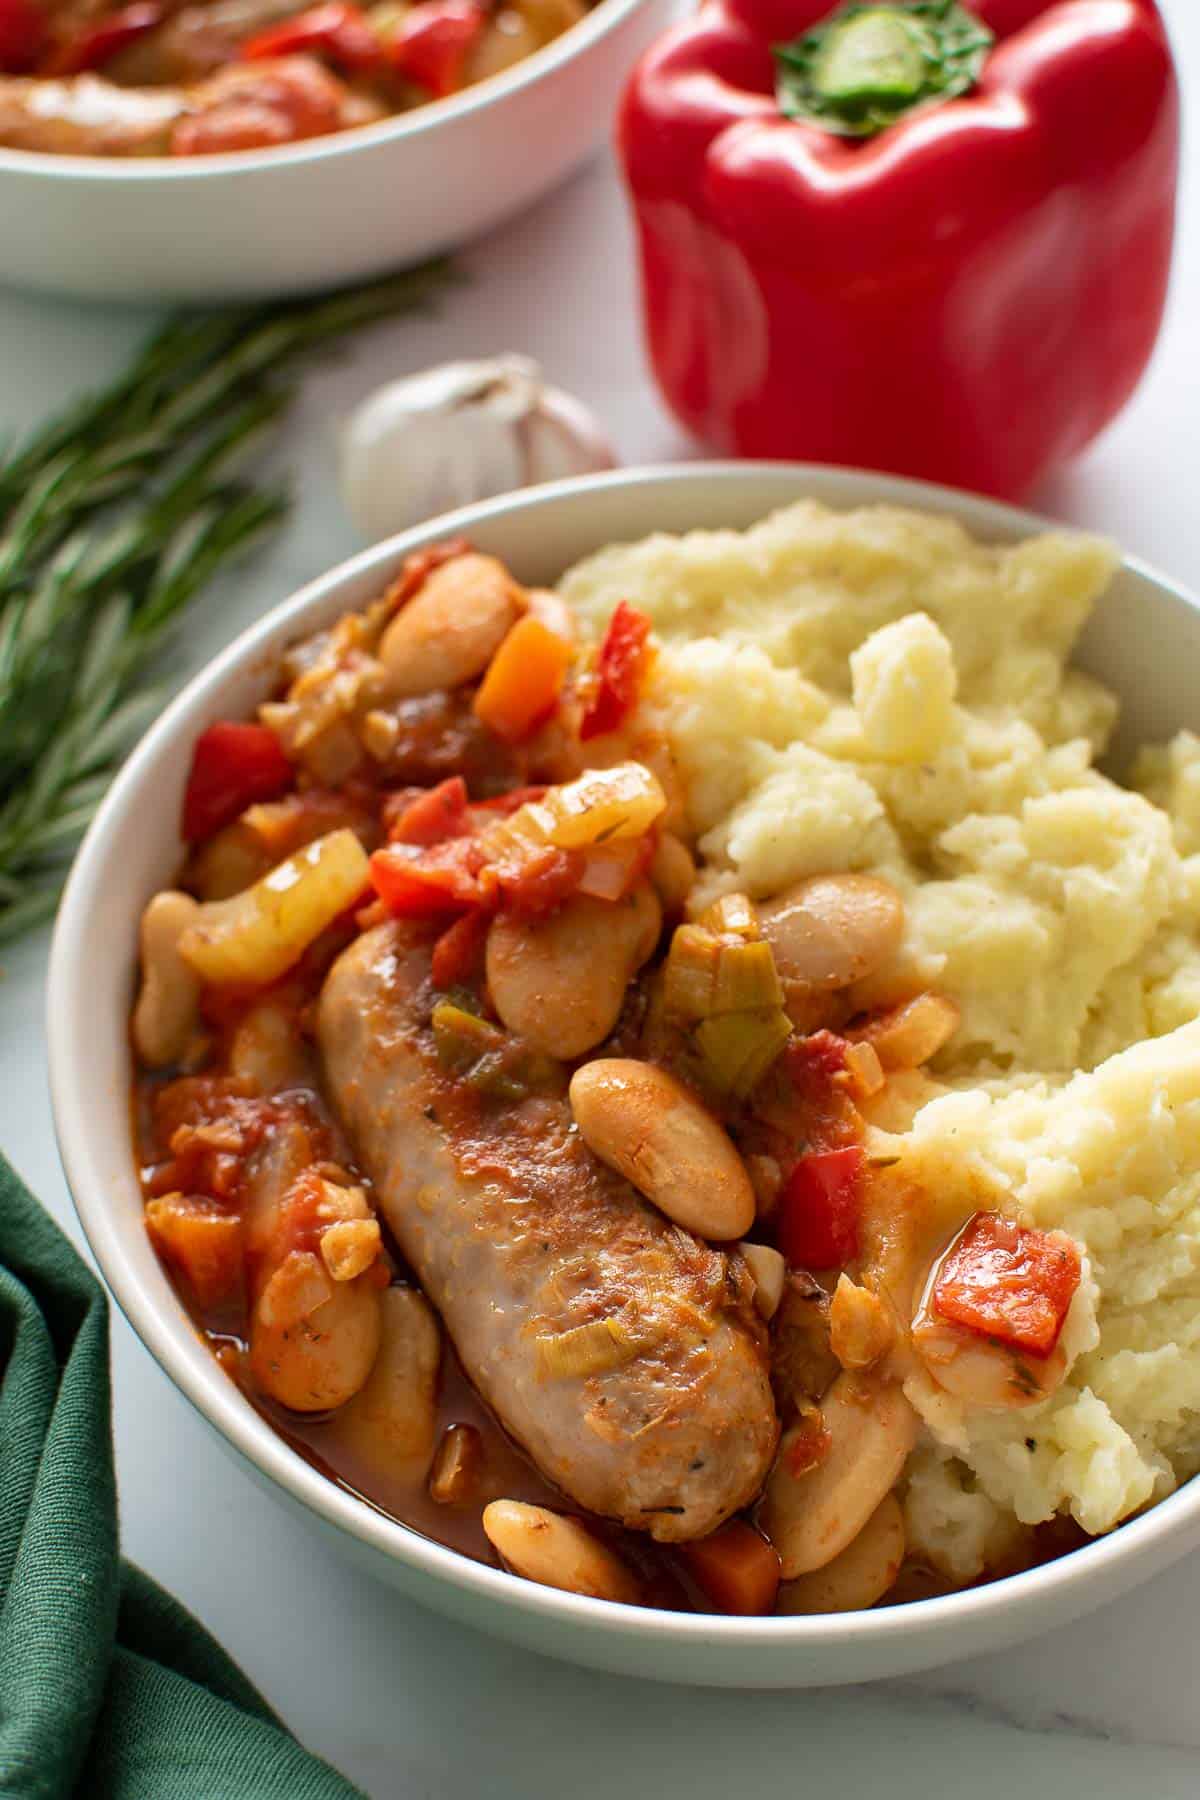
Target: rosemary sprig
(112,518)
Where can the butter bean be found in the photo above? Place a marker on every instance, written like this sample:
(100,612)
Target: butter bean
(908,1035)
(812,1516)
(654,1131)
(450,629)
(673,872)
(313,1340)
(833,930)
(167,1015)
(860,1576)
(392,1421)
(560,981)
(559,1552)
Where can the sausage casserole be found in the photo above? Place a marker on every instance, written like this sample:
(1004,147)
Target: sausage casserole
(202,77)
(545,1125)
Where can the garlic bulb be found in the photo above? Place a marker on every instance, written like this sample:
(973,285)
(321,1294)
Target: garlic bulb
(461,432)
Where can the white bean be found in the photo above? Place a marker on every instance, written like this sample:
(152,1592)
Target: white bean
(654,1131)
(557,1551)
(313,1340)
(392,1421)
(560,981)
(811,1516)
(910,1034)
(167,1015)
(982,1372)
(268,1050)
(449,631)
(860,1576)
(673,872)
(833,930)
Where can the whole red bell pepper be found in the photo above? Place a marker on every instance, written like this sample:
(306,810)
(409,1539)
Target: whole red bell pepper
(931,238)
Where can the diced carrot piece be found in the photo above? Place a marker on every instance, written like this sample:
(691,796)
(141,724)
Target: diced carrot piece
(523,680)
(737,1568)
(204,1245)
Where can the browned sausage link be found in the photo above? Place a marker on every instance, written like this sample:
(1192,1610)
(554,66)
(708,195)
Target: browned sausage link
(622,1353)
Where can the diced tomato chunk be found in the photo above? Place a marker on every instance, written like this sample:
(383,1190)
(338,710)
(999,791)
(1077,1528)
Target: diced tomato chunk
(438,813)
(1009,1283)
(424,884)
(433,42)
(737,1568)
(234,764)
(620,666)
(203,1244)
(819,1208)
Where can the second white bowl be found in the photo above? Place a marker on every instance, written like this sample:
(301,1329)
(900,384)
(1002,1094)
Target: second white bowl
(333,210)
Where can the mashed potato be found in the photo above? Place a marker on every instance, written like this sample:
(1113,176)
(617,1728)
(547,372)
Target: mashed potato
(874,690)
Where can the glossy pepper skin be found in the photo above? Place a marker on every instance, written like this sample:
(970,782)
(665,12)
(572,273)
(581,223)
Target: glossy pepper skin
(968,296)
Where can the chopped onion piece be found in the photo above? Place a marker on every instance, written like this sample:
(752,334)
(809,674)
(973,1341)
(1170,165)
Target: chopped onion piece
(602,805)
(590,1349)
(254,937)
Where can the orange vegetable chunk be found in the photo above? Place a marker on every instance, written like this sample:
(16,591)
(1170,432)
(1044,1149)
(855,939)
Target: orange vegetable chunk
(204,1245)
(523,680)
(737,1568)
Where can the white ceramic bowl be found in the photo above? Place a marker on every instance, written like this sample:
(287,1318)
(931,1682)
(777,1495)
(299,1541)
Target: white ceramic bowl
(328,211)
(1144,641)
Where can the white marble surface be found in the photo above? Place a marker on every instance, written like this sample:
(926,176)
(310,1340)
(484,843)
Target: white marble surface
(408,1705)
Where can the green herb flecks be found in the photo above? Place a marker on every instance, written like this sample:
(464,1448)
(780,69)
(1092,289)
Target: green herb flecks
(113,517)
(868,65)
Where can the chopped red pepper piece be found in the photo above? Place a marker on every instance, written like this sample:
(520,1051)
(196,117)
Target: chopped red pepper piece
(420,884)
(234,764)
(1006,1282)
(620,666)
(336,30)
(737,1568)
(433,43)
(23,36)
(819,1208)
(458,953)
(93,47)
(440,812)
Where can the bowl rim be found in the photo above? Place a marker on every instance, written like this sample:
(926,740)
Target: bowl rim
(1144,1538)
(599,23)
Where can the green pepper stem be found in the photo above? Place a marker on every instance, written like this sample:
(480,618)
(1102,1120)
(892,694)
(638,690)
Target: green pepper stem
(868,65)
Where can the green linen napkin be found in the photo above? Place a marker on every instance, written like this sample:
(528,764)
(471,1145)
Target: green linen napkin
(109,1690)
